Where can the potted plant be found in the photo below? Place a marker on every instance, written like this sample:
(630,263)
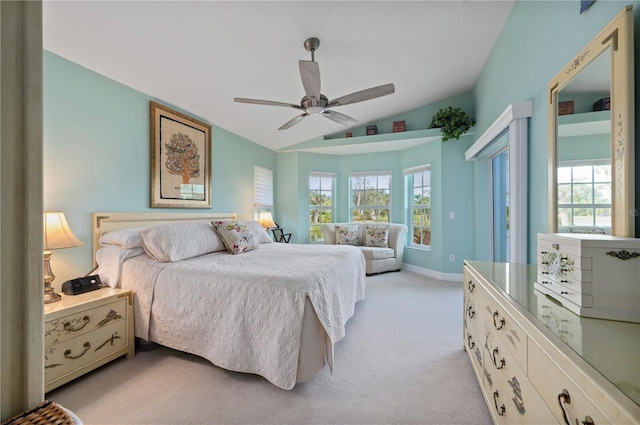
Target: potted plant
(452,121)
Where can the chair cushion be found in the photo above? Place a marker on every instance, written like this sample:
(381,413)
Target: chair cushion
(375,253)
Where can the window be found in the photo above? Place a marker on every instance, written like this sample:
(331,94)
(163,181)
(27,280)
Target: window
(584,194)
(262,190)
(370,196)
(418,184)
(321,187)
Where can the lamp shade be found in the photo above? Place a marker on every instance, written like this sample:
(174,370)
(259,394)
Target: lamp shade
(265,219)
(57,233)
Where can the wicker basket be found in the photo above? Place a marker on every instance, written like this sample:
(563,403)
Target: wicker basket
(46,413)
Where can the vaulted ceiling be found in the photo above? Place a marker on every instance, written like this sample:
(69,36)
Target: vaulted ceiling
(199,55)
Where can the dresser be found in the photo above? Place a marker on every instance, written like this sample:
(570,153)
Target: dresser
(83,332)
(539,363)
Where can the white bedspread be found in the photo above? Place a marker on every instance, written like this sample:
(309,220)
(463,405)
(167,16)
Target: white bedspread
(244,312)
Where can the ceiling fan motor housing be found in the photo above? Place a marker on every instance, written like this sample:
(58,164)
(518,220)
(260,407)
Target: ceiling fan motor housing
(307,104)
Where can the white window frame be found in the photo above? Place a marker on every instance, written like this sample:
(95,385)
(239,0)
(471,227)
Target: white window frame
(331,208)
(367,174)
(409,175)
(593,206)
(514,119)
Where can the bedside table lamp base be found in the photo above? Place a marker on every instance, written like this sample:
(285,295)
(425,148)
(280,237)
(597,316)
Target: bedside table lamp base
(49,295)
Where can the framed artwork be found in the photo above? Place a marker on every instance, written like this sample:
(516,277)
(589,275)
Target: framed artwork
(180,160)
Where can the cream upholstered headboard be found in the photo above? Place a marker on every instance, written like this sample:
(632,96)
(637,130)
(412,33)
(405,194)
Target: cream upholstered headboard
(104,222)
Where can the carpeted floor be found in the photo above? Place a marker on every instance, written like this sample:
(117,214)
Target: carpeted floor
(401,362)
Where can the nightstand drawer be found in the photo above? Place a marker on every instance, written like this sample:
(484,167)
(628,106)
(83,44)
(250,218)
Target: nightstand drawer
(84,350)
(80,323)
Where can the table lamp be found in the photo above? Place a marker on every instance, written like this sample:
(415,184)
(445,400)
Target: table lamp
(266,220)
(57,235)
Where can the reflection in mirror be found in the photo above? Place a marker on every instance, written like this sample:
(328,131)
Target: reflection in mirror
(583,151)
(591,136)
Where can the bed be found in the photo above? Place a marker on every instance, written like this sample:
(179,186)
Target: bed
(275,310)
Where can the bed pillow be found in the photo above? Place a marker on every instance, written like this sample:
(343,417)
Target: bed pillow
(346,234)
(179,241)
(110,259)
(262,236)
(236,236)
(376,235)
(125,238)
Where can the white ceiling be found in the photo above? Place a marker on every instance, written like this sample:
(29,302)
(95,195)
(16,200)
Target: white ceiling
(199,55)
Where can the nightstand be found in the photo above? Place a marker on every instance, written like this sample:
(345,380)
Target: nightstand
(83,332)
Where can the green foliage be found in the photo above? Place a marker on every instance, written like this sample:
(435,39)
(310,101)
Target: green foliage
(453,122)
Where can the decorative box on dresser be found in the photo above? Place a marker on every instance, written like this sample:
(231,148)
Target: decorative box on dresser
(85,331)
(537,362)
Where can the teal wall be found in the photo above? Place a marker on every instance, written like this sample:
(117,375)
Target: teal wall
(537,41)
(96,143)
(451,176)
(96,156)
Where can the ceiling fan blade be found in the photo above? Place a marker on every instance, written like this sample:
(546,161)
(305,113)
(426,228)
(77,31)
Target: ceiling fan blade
(310,75)
(265,102)
(293,121)
(362,95)
(339,118)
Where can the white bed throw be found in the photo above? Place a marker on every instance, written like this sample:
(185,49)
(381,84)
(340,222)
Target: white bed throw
(244,312)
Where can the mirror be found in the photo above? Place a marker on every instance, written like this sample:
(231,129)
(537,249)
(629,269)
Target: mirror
(591,137)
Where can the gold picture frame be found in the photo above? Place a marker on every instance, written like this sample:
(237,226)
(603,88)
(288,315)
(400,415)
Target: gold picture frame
(180,159)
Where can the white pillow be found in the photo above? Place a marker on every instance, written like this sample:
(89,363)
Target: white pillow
(179,241)
(125,238)
(110,259)
(258,231)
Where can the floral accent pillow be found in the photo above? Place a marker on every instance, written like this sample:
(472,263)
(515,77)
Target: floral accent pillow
(236,236)
(376,235)
(346,234)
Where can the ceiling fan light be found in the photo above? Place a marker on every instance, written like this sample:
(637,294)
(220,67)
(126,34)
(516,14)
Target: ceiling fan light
(314,110)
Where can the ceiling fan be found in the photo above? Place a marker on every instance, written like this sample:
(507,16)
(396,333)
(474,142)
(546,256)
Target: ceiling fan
(314,102)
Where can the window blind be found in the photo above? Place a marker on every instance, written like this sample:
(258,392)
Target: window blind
(262,187)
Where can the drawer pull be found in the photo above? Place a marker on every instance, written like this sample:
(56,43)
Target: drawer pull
(564,397)
(470,342)
(471,312)
(564,293)
(472,286)
(555,245)
(624,254)
(588,421)
(501,410)
(495,323)
(67,353)
(495,363)
(70,328)
(544,282)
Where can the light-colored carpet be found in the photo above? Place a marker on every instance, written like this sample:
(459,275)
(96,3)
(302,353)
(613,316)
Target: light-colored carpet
(401,362)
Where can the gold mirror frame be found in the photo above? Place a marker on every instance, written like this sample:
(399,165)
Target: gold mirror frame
(618,36)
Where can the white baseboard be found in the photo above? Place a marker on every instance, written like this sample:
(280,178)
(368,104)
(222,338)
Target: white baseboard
(451,277)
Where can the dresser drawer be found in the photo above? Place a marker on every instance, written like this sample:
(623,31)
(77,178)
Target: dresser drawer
(560,393)
(76,353)
(80,323)
(521,401)
(505,326)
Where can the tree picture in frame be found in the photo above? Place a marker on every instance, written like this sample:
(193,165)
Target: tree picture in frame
(180,159)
